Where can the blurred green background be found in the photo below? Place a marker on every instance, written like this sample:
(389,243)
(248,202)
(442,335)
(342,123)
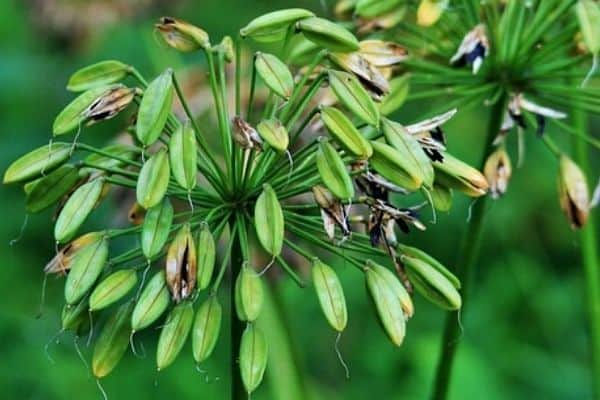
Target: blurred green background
(524,334)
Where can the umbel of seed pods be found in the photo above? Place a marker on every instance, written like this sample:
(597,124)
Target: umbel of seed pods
(358,147)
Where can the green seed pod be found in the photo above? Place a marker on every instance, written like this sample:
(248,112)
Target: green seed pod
(112,289)
(441,197)
(153,180)
(458,175)
(373,8)
(588,15)
(421,255)
(387,305)
(117,152)
(206,253)
(152,303)
(273,132)
(183,157)
(272,26)
(253,357)
(180,268)
(74,317)
(346,133)
(51,188)
(331,295)
(353,95)
(63,260)
(431,283)
(328,34)
(275,74)
(156,228)
(206,329)
(333,171)
(399,89)
(249,294)
(85,269)
(181,35)
(573,192)
(395,166)
(102,73)
(227,48)
(410,149)
(76,210)
(396,286)
(73,115)
(155,108)
(173,334)
(268,218)
(37,162)
(112,342)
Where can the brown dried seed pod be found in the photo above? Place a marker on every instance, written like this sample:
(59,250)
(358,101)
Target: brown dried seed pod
(181,265)
(497,171)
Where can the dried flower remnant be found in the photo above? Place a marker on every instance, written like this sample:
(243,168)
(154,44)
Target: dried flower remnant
(497,171)
(333,212)
(573,192)
(245,135)
(473,49)
(109,104)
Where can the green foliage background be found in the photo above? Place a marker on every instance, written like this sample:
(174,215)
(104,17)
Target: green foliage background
(524,337)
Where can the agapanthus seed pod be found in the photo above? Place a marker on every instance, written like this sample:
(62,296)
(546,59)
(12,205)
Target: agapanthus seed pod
(154,109)
(33,164)
(156,228)
(370,77)
(76,210)
(274,133)
(63,260)
(431,283)
(269,222)
(75,317)
(426,258)
(253,357)
(275,74)
(245,135)
(112,288)
(381,53)
(181,35)
(430,11)
(86,268)
(112,342)
(328,34)
(206,329)
(573,192)
(152,303)
(173,334)
(333,212)
(345,133)
(395,166)
(180,267)
(153,181)
(272,26)
(99,74)
(497,171)
(396,286)
(206,253)
(73,115)
(333,171)
(458,175)
(354,96)
(183,156)
(399,89)
(588,15)
(387,306)
(248,294)
(51,188)
(473,48)
(109,104)
(331,295)
(373,8)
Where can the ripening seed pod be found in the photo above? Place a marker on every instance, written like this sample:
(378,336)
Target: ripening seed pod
(328,34)
(342,129)
(206,257)
(331,295)
(373,8)
(497,171)
(152,303)
(154,109)
(588,15)
(99,74)
(382,54)
(441,197)
(274,133)
(387,305)
(275,74)
(271,27)
(458,175)
(156,228)
(73,115)
(248,294)
(75,317)
(396,287)
(353,95)
(112,289)
(112,342)
(253,357)
(370,77)
(268,218)
(183,156)
(431,283)
(109,104)
(399,89)
(430,11)
(37,162)
(333,171)
(173,334)
(181,35)
(395,166)
(426,258)
(180,268)
(76,210)
(206,329)
(86,268)
(153,180)
(51,188)
(573,192)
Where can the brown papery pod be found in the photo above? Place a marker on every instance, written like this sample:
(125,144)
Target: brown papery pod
(497,172)
(573,192)
(181,265)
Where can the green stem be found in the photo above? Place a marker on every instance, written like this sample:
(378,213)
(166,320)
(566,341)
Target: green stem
(590,259)
(465,267)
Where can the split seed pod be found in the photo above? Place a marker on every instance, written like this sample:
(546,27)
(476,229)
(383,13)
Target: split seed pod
(155,108)
(458,175)
(109,104)
(399,89)
(86,268)
(153,180)
(271,27)
(333,171)
(183,157)
(245,135)
(112,342)
(253,357)
(173,334)
(180,268)
(396,166)
(112,289)
(368,75)
(74,114)
(249,294)
(268,218)
(331,295)
(206,258)
(275,74)
(353,95)
(395,286)
(387,305)
(426,258)
(76,210)
(431,283)
(373,8)
(573,192)
(182,35)
(328,34)
(273,132)
(206,329)
(346,133)
(588,15)
(152,303)
(37,162)
(430,11)
(99,74)
(382,54)
(497,171)
(333,212)
(51,188)
(156,228)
